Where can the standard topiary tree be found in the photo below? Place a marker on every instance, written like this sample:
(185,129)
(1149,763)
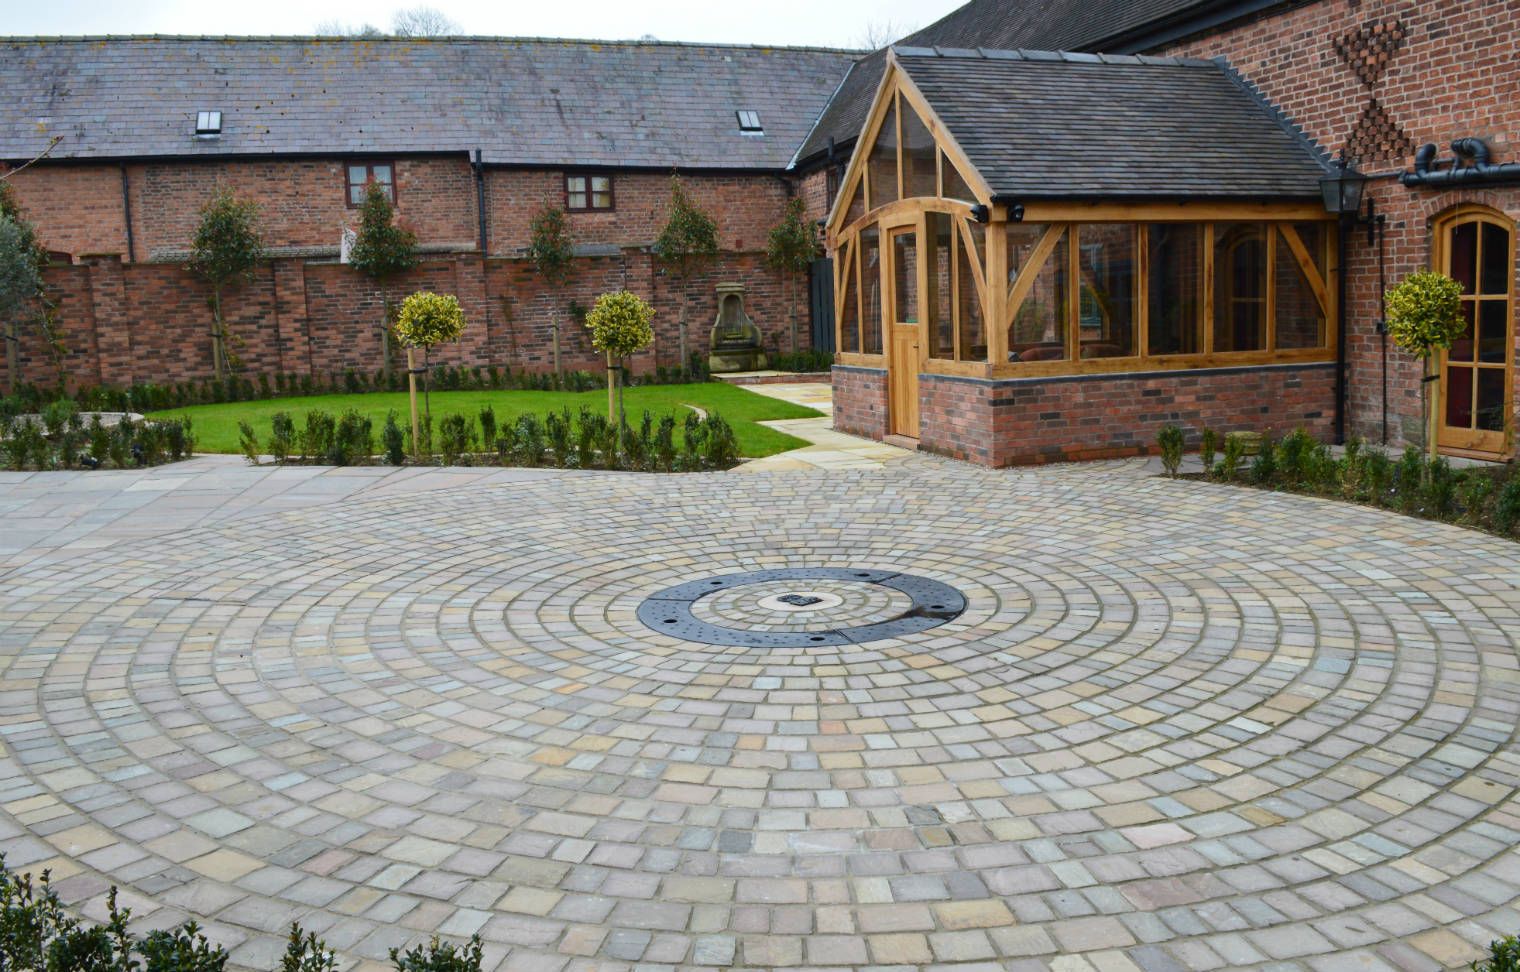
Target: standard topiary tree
(226,251)
(1424,316)
(427,319)
(687,244)
(381,250)
(620,326)
(551,251)
(792,245)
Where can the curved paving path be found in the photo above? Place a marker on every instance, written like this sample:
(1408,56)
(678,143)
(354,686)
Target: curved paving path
(1178,726)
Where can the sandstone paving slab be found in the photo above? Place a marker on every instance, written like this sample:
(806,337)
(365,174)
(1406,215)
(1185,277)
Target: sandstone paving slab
(1178,726)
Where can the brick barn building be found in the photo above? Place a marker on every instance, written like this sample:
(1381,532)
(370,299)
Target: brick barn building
(1034,255)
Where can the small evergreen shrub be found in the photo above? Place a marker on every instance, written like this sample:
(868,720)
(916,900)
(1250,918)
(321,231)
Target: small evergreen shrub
(437,956)
(248,443)
(1503,956)
(1170,441)
(282,436)
(394,441)
(1208,444)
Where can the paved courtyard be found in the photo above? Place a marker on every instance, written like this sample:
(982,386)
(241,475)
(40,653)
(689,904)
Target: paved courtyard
(1176,726)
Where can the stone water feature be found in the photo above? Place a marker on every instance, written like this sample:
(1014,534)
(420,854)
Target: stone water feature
(735,338)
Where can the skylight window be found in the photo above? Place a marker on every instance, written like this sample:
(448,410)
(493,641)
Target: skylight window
(749,123)
(208,124)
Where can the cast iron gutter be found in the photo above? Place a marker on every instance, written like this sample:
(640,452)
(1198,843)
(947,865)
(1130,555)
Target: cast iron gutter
(1158,33)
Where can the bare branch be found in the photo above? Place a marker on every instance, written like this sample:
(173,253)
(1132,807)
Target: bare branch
(422,21)
(44,154)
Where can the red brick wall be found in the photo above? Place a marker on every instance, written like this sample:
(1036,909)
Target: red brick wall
(1452,76)
(150,322)
(1030,420)
(860,400)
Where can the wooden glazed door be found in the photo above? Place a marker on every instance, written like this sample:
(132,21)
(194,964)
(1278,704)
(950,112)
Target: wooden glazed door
(904,353)
(1477,249)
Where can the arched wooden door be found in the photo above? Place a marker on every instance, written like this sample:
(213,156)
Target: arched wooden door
(1476,247)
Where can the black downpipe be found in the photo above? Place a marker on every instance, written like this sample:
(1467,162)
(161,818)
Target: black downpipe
(480,200)
(126,211)
(1347,221)
(1377,223)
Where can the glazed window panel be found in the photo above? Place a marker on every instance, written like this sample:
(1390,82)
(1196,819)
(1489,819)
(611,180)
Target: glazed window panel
(1240,287)
(1490,411)
(1300,320)
(953,186)
(940,254)
(1464,256)
(849,316)
(1493,330)
(857,207)
(1316,239)
(1042,322)
(1175,288)
(919,154)
(1494,275)
(1022,240)
(881,169)
(904,276)
(1108,294)
(971,316)
(870,291)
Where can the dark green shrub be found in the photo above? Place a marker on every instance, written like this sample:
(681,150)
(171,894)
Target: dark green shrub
(394,441)
(454,434)
(439,956)
(720,447)
(282,436)
(152,444)
(694,443)
(1208,444)
(557,433)
(1473,493)
(1377,476)
(589,428)
(353,440)
(493,374)
(1170,441)
(248,443)
(1234,451)
(1294,454)
(1409,478)
(120,448)
(317,437)
(1507,507)
(608,435)
(664,447)
(487,426)
(182,949)
(1438,496)
(528,441)
(637,444)
(178,438)
(1264,468)
(304,952)
(1503,956)
(100,441)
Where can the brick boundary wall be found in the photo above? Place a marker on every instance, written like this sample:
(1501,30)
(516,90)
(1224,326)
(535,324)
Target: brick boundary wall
(1065,418)
(860,400)
(149,322)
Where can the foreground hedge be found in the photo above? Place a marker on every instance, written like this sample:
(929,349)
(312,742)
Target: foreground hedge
(62,440)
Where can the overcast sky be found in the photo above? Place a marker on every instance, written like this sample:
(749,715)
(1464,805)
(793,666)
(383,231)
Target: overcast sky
(836,23)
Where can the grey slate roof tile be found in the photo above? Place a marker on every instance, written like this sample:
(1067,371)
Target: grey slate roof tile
(521,101)
(1037,128)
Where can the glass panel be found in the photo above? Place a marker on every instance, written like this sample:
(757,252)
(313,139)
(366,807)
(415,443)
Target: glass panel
(883,162)
(1022,239)
(1300,322)
(1106,294)
(577,200)
(849,315)
(1493,330)
(1039,328)
(954,186)
(941,254)
(1176,286)
(857,204)
(1240,287)
(601,183)
(576,184)
(601,192)
(1462,347)
(1496,268)
(382,174)
(919,151)
(1464,255)
(1316,239)
(358,174)
(356,194)
(1490,417)
(870,290)
(1459,392)
(973,320)
(905,277)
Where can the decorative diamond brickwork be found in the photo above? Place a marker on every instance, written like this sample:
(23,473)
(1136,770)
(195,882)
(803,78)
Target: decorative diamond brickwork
(1370,48)
(1377,136)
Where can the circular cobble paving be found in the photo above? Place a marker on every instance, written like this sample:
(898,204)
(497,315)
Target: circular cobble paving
(840,604)
(1178,726)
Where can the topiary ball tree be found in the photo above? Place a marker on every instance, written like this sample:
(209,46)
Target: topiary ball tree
(1425,316)
(620,326)
(427,319)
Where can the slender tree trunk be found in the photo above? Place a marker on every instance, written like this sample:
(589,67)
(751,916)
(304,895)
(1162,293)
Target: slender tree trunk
(1431,401)
(791,315)
(559,376)
(611,390)
(12,358)
(622,416)
(411,381)
(427,375)
(218,335)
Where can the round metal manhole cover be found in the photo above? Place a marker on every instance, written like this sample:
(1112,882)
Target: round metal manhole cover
(801,607)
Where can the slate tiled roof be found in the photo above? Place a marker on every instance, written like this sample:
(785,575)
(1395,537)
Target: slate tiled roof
(1046,25)
(522,101)
(1044,125)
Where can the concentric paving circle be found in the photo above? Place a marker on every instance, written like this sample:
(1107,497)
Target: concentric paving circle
(1177,726)
(748,609)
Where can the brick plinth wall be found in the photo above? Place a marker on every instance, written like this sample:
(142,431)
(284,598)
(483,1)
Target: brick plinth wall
(860,400)
(1031,420)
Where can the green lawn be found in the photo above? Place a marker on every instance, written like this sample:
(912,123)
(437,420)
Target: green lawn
(216,425)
